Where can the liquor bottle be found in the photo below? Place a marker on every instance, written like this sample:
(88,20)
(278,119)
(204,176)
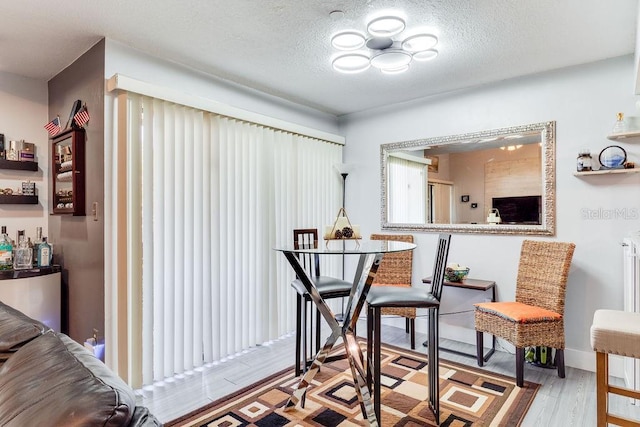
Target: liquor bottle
(6,250)
(36,244)
(30,245)
(22,254)
(38,235)
(44,253)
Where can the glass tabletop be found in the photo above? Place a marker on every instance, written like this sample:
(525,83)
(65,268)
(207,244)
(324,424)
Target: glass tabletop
(350,247)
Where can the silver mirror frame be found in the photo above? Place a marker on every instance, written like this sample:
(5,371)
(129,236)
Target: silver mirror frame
(548,226)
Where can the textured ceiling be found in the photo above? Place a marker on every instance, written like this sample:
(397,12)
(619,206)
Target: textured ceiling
(282,47)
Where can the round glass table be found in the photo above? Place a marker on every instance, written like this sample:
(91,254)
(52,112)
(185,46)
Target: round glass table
(370,254)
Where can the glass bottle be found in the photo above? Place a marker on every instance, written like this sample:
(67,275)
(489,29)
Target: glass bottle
(620,126)
(36,244)
(12,152)
(30,245)
(22,254)
(6,250)
(44,253)
(584,160)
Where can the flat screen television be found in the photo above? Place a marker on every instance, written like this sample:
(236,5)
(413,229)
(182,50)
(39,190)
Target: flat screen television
(519,210)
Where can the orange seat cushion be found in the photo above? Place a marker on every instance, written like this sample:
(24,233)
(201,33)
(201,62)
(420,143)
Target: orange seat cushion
(518,312)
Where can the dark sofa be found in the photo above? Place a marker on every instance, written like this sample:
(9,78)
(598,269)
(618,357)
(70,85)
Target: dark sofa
(47,379)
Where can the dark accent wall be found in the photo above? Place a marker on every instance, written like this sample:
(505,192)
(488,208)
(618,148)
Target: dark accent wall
(78,241)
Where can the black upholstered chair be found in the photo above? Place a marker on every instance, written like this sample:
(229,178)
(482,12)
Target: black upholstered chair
(385,297)
(328,287)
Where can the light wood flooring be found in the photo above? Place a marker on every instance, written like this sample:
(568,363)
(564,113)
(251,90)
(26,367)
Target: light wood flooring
(559,402)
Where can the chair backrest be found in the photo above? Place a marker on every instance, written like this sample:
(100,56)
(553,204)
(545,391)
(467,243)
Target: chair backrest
(307,238)
(440,265)
(542,274)
(395,268)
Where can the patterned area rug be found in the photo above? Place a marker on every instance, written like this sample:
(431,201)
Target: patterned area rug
(468,397)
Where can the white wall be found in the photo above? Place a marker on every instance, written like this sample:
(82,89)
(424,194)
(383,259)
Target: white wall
(23,113)
(141,66)
(583,101)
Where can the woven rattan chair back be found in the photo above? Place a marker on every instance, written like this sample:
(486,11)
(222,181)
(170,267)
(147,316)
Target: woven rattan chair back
(396,267)
(542,274)
(395,270)
(307,238)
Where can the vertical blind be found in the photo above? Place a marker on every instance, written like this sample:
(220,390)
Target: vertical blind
(407,191)
(208,199)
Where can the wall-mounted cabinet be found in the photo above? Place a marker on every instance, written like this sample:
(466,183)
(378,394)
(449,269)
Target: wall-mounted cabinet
(68,180)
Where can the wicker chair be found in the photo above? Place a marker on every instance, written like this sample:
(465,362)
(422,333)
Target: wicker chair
(328,287)
(395,270)
(536,318)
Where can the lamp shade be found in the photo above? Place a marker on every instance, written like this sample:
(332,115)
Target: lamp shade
(342,168)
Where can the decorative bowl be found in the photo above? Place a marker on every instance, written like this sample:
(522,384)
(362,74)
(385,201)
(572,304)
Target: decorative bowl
(456,274)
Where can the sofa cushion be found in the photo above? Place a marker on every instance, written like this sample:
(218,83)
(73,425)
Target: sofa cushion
(55,381)
(17,328)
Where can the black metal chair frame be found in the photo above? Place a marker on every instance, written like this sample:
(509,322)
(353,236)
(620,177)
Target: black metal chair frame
(310,263)
(408,297)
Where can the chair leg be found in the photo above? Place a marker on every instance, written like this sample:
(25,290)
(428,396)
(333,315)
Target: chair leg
(602,385)
(377,355)
(480,348)
(433,363)
(298,334)
(412,327)
(369,348)
(560,362)
(519,366)
(305,358)
(406,325)
(318,324)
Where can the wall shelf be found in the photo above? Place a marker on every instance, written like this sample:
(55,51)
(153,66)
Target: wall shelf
(607,172)
(17,165)
(18,199)
(631,136)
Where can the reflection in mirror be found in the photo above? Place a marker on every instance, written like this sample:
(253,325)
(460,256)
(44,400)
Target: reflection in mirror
(453,183)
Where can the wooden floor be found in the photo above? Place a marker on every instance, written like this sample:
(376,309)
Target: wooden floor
(560,402)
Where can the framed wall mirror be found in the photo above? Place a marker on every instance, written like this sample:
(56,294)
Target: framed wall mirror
(499,181)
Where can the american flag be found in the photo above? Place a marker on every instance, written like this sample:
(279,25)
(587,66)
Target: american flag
(53,127)
(82,117)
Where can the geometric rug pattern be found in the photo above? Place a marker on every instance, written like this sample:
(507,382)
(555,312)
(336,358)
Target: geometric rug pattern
(469,396)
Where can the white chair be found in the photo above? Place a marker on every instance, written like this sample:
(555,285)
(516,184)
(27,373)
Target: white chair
(613,332)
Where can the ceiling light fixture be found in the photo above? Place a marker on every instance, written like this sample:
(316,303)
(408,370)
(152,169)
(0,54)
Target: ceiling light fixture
(379,48)
(348,40)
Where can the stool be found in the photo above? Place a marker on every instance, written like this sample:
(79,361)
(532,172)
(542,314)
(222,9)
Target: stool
(613,332)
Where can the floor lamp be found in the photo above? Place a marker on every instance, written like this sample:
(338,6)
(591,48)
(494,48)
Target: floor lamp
(343,169)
